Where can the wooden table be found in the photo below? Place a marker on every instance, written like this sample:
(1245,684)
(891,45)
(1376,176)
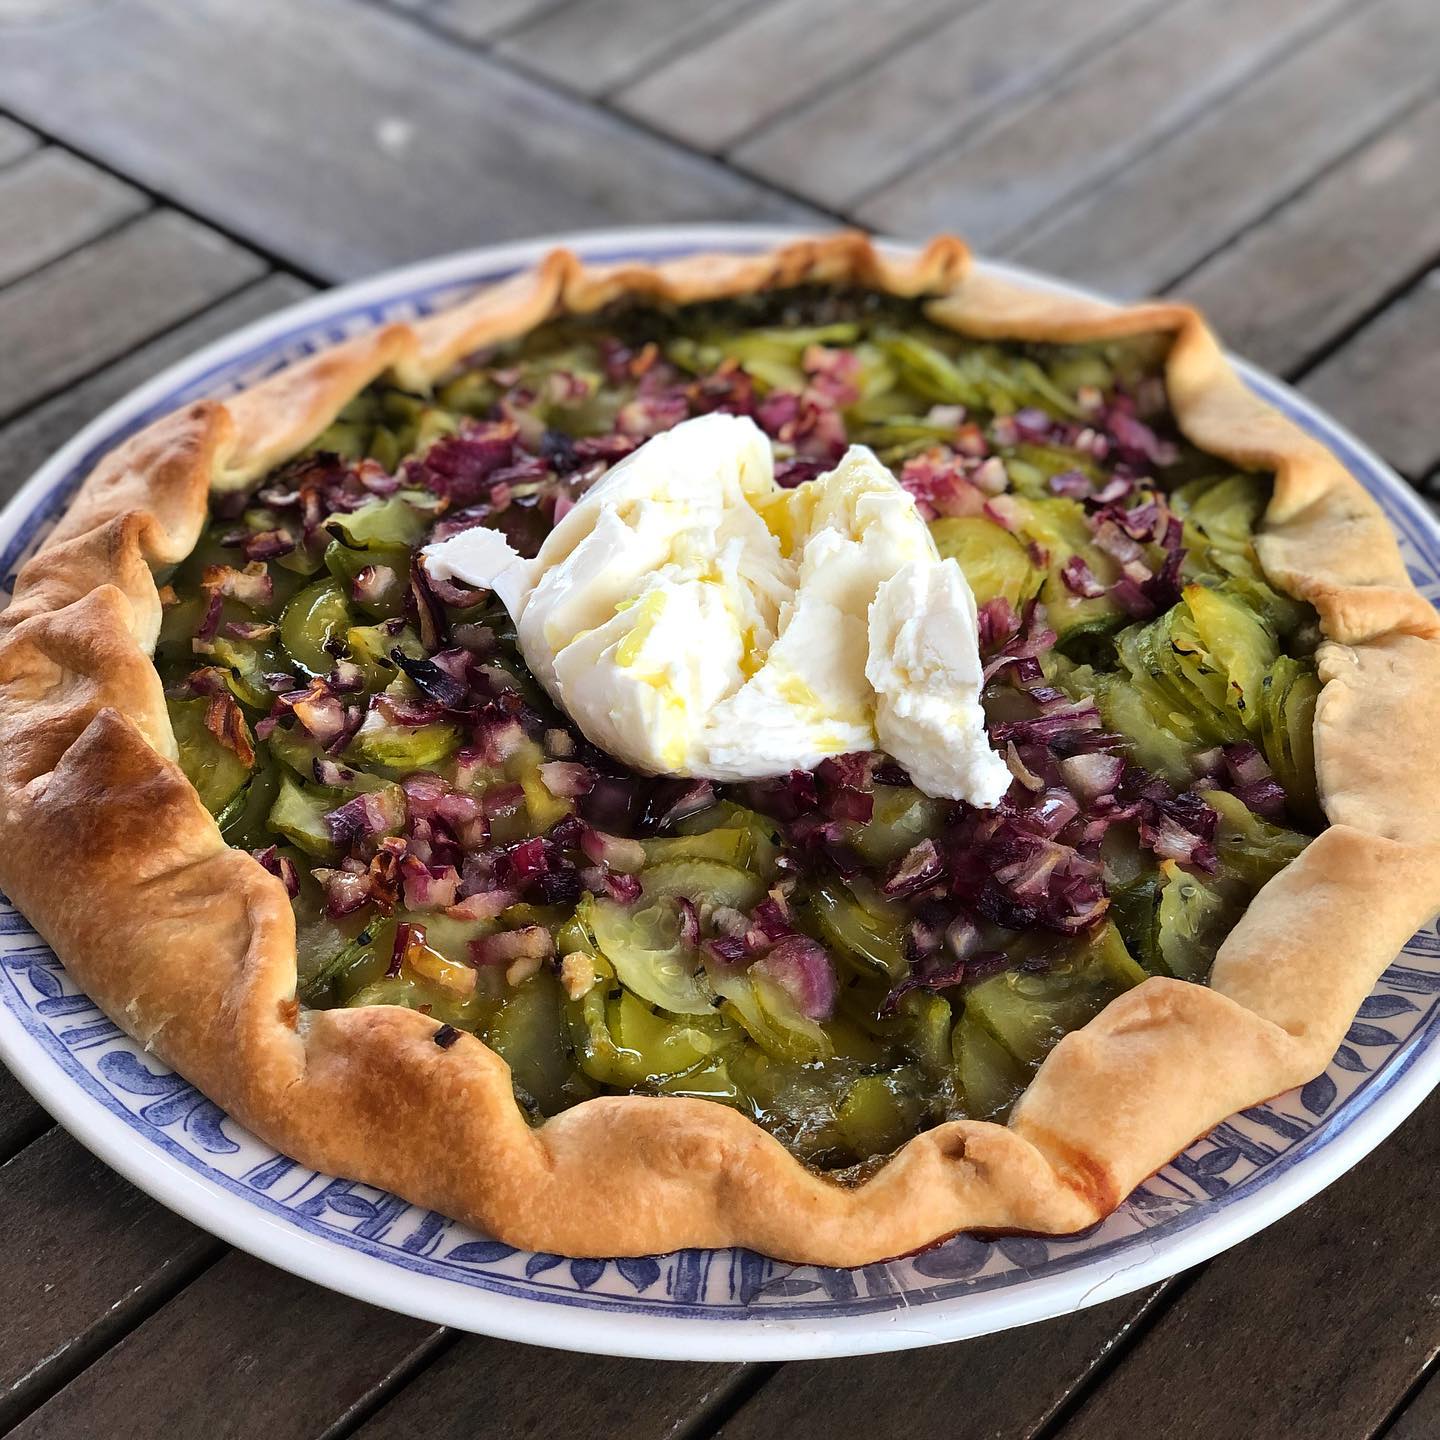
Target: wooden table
(170,170)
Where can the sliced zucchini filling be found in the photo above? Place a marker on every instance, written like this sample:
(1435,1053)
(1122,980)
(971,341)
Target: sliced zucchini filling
(833,953)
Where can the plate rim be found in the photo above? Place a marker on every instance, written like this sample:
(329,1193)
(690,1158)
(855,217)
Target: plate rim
(1401,1083)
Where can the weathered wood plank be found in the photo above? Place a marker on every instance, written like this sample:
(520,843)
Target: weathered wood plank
(1383,383)
(85,1253)
(73,316)
(551,1395)
(21,1117)
(1314,1330)
(1321,263)
(905,108)
(601,44)
(767,62)
(53,202)
(480,19)
(26,443)
(344,137)
(15,141)
(1420,1420)
(1183,200)
(1009,1385)
(1106,112)
(246,1350)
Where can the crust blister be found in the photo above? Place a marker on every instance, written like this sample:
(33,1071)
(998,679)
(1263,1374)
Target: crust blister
(190,945)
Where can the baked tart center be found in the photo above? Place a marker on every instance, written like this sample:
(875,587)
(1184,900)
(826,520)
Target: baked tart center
(942,827)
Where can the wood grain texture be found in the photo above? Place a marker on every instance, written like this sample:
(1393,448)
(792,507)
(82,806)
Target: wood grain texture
(1101,116)
(551,1395)
(82,311)
(22,1118)
(245,1351)
(1008,1385)
(770,60)
(27,442)
(1324,261)
(346,138)
(595,46)
(1146,226)
(480,19)
(1385,381)
(85,1254)
(906,107)
(52,202)
(1420,1419)
(15,141)
(321,132)
(1313,1330)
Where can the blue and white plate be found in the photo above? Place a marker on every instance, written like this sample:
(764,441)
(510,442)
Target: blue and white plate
(695,1304)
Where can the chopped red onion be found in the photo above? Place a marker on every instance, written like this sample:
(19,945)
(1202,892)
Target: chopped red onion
(250,630)
(330,773)
(251,586)
(803,970)
(268,544)
(375,813)
(225,720)
(345,891)
(1080,579)
(1022,772)
(529,942)
(483,905)
(372,583)
(566,779)
(917,870)
(428,888)
(281,866)
(1092,775)
(612,851)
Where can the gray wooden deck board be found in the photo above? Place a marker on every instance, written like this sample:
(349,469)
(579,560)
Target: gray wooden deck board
(1323,262)
(581,1396)
(1148,225)
(15,141)
(90,307)
(1313,1330)
(1012,1384)
(28,441)
(771,60)
(327,162)
(1386,381)
(930,96)
(85,1253)
(1097,119)
(481,20)
(595,46)
(343,138)
(244,1351)
(52,202)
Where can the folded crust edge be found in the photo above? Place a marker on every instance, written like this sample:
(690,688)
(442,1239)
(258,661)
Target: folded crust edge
(190,945)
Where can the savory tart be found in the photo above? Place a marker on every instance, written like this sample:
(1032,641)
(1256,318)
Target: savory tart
(812,751)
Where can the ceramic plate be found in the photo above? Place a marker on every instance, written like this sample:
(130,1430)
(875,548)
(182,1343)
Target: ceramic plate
(150,1125)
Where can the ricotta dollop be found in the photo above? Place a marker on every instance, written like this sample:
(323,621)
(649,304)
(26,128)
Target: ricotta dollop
(694,618)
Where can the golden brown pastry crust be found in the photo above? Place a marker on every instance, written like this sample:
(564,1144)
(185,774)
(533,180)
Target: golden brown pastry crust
(190,945)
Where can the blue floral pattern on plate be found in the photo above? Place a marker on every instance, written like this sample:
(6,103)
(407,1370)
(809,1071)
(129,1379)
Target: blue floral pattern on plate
(1241,1156)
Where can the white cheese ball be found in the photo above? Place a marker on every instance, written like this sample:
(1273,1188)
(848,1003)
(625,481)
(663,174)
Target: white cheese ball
(694,618)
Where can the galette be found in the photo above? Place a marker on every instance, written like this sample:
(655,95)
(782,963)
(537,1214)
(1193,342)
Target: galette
(815,750)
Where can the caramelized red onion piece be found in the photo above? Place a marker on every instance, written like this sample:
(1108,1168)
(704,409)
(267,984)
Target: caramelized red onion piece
(566,779)
(612,851)
(915,871)
(803,970)
(529,942)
